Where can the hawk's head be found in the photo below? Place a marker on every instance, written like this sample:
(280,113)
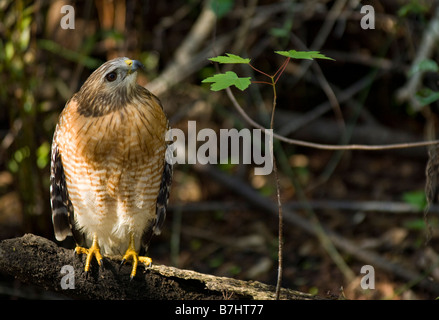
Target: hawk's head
(109,88)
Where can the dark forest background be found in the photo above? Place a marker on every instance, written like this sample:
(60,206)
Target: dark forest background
(382,88)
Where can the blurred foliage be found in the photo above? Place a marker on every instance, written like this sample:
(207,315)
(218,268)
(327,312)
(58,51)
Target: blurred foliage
(71,55)
(18,70)
(413,7)
(416,198)
(221,7)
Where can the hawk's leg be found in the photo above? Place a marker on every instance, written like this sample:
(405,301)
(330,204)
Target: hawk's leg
(92,251)
(131,253)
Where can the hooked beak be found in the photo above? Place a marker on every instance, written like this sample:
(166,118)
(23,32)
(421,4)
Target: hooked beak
(134,65)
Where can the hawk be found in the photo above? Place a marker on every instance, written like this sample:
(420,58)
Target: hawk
(110,179)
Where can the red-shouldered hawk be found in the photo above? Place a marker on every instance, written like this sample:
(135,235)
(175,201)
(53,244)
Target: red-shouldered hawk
(109,177)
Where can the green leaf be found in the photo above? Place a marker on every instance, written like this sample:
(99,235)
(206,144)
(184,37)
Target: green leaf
(415,224)
(43,155)
(279,32)
(221,7)
(309,55)
(225,80)
(415,198)
(412,8)
(424,65)
(231,58)
(427,96)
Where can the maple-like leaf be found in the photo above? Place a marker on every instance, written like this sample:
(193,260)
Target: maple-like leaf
(230,58)
(224,80)
(309,55)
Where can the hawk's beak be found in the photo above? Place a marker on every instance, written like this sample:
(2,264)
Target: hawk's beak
(134,65)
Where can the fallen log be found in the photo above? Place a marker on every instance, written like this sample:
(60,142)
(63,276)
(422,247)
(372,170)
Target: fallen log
(38,261)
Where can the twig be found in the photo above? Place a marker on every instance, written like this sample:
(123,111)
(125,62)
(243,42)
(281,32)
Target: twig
(389,207)
(274,79)
(329,132)
(324,84)
(280,232)
(326,146)
(322,108)
(323,33)
(279,202)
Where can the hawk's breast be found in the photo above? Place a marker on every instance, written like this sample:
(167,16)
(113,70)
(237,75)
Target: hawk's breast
(113,166)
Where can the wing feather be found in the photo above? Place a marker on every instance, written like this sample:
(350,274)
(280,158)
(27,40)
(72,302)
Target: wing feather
(62,209)
(59,198)
(161,206)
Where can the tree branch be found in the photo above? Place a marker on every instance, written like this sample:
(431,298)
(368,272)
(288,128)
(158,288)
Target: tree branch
(320,146)
(38,261)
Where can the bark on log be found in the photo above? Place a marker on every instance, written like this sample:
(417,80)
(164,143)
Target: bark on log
(38,261)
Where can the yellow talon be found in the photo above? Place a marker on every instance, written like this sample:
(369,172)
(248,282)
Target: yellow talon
(94,250)
(131,253)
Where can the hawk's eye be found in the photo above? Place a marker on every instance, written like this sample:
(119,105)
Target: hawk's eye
(111,76)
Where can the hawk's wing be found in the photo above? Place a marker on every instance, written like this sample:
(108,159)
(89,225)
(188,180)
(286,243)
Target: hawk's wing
(162,203)
(162,199)
(62,208)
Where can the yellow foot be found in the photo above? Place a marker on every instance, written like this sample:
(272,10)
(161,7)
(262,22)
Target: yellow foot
(132,254)
(92,251)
